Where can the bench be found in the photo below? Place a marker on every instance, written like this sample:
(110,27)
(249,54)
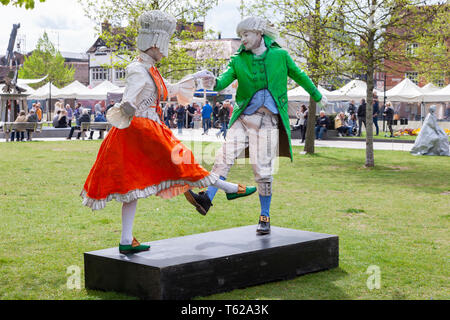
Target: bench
(97,126)
(295,134)
(30,127)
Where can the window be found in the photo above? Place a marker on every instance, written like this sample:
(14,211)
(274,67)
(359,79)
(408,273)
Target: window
(413,76)
(120,73)
(411,48)
(440,83)
(100,73)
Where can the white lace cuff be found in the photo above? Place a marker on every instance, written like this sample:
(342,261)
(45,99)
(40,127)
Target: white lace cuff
(118,117)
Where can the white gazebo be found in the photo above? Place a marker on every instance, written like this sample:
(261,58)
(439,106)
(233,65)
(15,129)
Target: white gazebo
(45,91)
(429,88)
(441,95)
(74,90)
(354,90)
(300,94)
(405,91)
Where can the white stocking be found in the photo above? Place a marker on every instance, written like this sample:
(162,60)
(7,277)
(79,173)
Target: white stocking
(228,187)
(128,212)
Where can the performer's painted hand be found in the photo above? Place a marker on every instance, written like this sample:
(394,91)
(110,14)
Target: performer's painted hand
(209,83)
(323,102)
(203,74)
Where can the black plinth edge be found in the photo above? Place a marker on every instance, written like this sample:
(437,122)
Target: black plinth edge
(212,262)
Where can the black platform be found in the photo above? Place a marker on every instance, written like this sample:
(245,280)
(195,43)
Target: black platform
(206,263)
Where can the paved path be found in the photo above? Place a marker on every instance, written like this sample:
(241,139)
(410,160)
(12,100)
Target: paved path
(196,135)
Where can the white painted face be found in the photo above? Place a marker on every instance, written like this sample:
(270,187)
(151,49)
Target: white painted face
(155,53)
(251,39)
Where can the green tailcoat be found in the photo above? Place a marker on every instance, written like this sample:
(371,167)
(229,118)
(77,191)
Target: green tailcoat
(268,71)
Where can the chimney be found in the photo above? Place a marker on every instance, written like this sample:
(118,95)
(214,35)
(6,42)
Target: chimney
(106,26)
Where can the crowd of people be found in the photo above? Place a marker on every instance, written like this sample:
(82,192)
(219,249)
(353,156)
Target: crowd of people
(349,123)
(174,115)
(179,116)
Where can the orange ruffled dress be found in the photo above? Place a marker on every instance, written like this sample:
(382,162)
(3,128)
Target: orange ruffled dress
(141,160)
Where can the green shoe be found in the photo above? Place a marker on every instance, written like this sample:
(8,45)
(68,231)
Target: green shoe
(134,247)
(243,191)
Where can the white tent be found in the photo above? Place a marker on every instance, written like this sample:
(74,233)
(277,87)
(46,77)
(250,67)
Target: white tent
(405,91)
(442,95)
(300,94)
(101,91)
(44,92)
(29,90)
(355,89)
(119,90)
(21,82)
(74,90)
(428,88)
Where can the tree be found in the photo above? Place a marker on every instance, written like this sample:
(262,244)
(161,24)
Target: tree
(29,4)
(123,17)
(377,26)
(431,57)
(46,60)
(304,24)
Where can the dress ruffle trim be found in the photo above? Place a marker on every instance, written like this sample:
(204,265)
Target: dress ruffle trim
(166,190)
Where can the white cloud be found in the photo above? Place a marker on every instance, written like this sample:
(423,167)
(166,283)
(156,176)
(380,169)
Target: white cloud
(64,21)
(67,25)
(224,18)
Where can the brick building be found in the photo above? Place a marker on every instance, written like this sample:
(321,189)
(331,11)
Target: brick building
(397,71)
(80,62)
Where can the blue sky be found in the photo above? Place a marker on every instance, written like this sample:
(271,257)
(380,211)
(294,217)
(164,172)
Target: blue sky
(66,24)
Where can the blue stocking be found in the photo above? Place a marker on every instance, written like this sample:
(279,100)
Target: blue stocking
(211,192)
(265,205)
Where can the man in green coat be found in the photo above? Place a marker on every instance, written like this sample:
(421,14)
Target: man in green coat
(260,120)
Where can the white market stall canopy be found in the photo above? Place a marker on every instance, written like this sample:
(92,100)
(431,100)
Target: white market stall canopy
(104,87)
(428,88)
(119,90)
(43,92)
(354,90)
(76,90)
(405,91)
(442,95)
(300,94)
(21,82)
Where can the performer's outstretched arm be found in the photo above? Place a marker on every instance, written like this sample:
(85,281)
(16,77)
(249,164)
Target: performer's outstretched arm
(302,79)
(226,78)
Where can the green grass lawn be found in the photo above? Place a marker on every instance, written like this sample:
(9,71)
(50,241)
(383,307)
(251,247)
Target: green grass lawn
(394,216)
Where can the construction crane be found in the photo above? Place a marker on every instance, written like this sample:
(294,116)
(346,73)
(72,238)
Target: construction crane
(10,61)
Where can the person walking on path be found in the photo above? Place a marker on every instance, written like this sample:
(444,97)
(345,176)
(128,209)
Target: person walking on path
(223,119)
(361,116)
(206,117)
(376,111)
(389,116)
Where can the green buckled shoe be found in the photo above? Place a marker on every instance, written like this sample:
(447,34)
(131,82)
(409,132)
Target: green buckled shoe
(134,247)
(243,191)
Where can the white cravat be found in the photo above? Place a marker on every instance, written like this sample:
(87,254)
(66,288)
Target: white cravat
(146,60)
(260,50)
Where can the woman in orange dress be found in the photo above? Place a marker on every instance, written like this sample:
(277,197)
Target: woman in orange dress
(140,156)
